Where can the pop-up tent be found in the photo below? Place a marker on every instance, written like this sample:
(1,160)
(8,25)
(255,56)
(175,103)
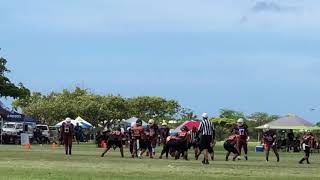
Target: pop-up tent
(189,124)
(12,116)
(9,115)
(83,123)
(127,123)
(291,122)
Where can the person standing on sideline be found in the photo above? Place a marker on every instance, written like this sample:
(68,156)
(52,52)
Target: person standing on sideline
(290,140)
(206,131)
(67,133)
(78,133)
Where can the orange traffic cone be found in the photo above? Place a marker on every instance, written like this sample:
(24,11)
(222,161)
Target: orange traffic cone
(103,145)
(53,147)
(28,147)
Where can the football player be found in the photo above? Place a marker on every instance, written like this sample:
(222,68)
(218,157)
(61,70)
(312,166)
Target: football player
(137,133)
(114,139)
(269,138)
(307,143)
(67,132)
(231,146)
(242,130)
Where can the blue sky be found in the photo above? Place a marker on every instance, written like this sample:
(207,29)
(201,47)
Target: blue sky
(248,55)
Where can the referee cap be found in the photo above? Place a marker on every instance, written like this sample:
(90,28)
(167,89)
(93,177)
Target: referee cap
(205,115)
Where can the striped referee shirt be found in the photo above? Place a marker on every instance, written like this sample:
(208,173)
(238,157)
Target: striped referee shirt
(206,128)
(193,136)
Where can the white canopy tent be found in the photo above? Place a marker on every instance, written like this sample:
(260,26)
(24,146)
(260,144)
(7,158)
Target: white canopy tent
(83,123)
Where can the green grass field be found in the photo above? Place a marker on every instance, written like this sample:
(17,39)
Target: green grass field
(42,163)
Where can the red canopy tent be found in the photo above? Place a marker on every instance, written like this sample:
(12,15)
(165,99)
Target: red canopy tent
(189,124)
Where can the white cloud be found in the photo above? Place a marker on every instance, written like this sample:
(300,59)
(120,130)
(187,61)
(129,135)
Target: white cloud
(270,6)
(165,15)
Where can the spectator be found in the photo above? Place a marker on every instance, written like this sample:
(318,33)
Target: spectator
(78,133)
(296,145)
(290,140)
(37,135)
(98,139)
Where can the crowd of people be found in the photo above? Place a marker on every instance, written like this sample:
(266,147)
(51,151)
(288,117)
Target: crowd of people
(143,140)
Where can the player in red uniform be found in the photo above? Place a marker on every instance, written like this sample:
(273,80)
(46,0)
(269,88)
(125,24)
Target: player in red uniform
(114,139)
(137,133)
(231,146)
(182,143)
(307,143)
(154,132)
(164,132)
(178,144)
(168,143)
(145,143)
(67,133)
(242,130)
(269,138)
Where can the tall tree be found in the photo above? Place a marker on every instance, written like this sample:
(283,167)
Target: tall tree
(158,108)
(231,114)
(187,114)
(260,117)
(7,88)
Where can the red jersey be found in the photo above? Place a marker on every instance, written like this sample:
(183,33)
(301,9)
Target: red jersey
(165,132)
(138,131)
(181,135)
(233,139)
(148,135)
(67,130)
(154,130)
(115,135)
(308,140)
(269,137)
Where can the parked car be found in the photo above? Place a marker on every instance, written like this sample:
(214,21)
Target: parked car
(44,135)
(11,132)
(44,129)
(12,128)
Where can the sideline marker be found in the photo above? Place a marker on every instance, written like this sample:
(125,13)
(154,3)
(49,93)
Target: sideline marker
(28,147)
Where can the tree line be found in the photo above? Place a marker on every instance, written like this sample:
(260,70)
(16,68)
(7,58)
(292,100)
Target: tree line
(105,110)
(227,119)
(97,109)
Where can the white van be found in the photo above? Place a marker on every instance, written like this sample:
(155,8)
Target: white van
(12,128)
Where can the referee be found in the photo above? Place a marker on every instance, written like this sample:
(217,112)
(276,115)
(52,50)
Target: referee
(207,133)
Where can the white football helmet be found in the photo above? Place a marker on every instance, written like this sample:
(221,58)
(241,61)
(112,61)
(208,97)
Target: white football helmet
(266,127)
(68,120)
(240,121)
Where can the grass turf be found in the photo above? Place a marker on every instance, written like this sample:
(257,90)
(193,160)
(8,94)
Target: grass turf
(43,163)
